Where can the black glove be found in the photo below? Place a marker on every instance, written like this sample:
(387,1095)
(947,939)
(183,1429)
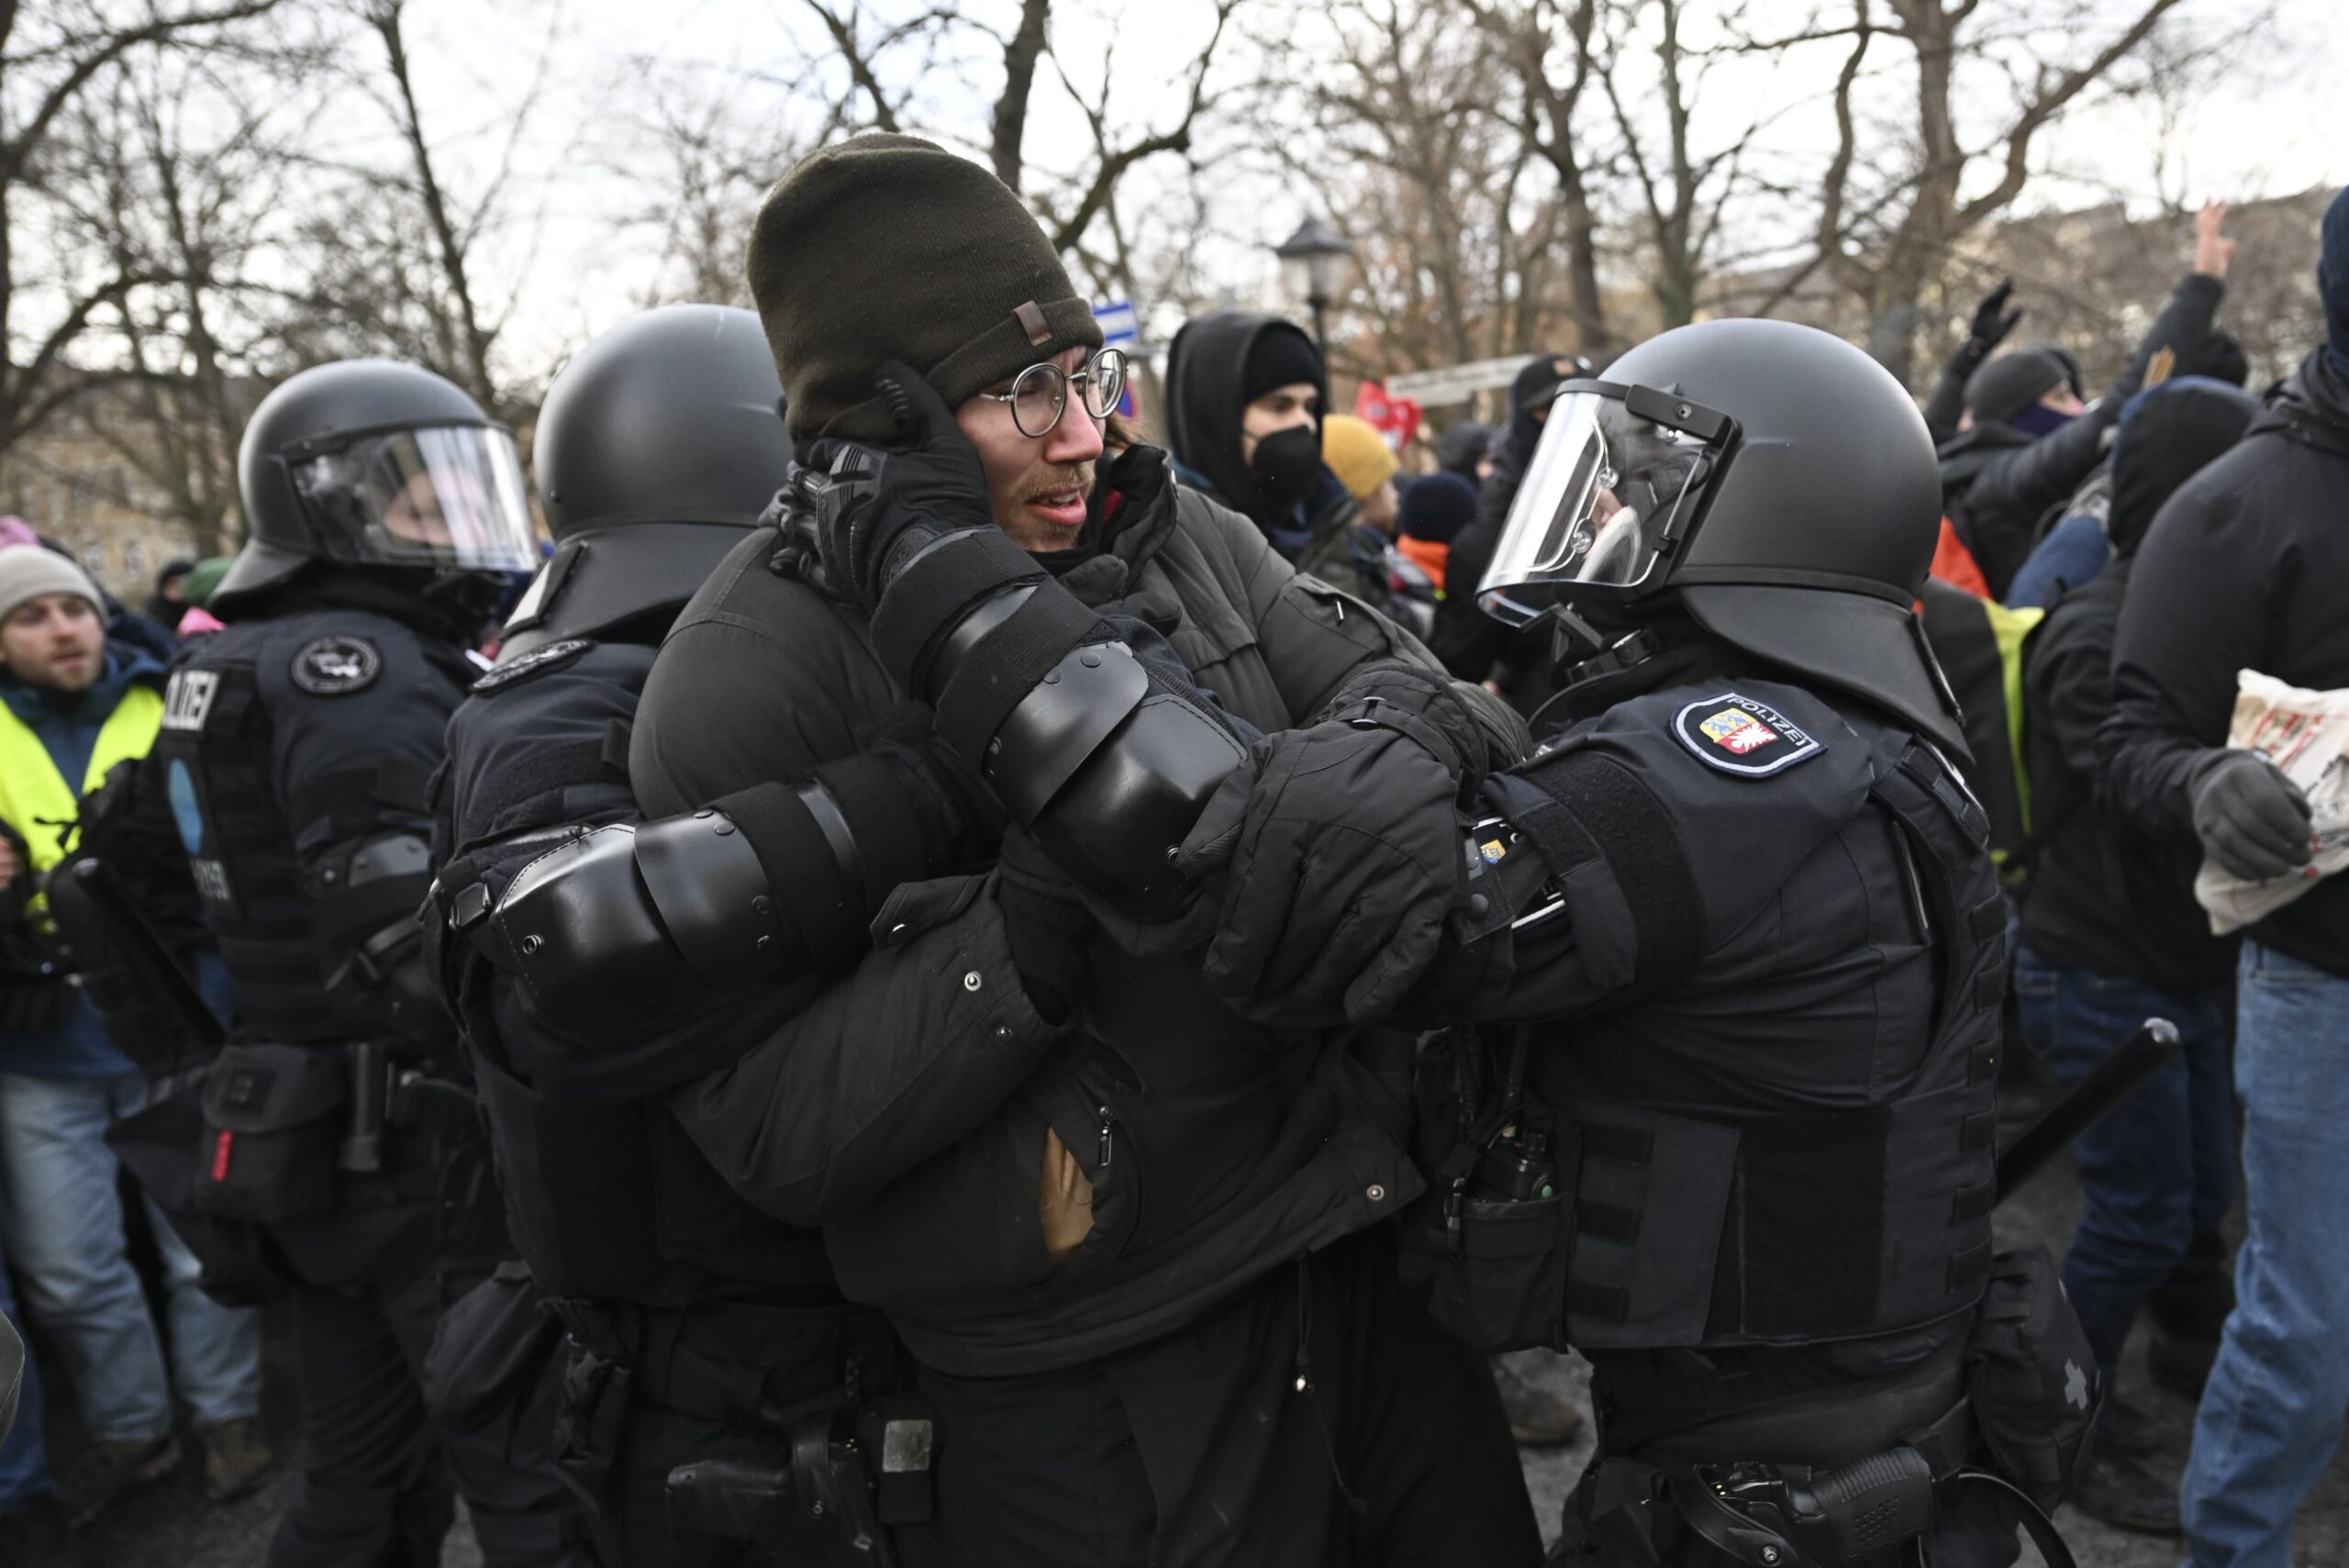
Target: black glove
(1049,927)
(875,509)
(1344,853)
(1993,320)
(2251,819)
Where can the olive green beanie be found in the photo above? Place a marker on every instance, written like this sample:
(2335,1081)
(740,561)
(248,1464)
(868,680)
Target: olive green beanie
(888,247)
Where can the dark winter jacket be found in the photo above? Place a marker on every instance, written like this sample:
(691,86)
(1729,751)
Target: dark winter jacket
(1997,483)
(1205,370)
(2244,569)
(2104,897)
(911,1108)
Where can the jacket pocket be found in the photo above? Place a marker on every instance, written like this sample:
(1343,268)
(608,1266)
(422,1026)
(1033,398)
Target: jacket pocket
(1086,1128)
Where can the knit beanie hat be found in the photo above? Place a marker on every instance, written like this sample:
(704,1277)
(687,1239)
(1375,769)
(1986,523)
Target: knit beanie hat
(1354,450)
(889,247)
(2005,386)
(197,585)
(1281,355)
(1437,506)
(27,572)
(2333,280)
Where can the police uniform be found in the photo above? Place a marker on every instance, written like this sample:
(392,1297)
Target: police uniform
(703,1331)
(297,751)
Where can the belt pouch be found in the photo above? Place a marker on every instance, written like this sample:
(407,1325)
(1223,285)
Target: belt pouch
(267,1149)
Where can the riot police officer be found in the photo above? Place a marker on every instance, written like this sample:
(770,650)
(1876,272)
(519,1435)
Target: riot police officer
(595,963)
(340,1153)
(1737,1149)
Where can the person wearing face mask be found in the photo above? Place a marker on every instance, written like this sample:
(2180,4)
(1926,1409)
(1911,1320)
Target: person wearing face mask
(1245,396)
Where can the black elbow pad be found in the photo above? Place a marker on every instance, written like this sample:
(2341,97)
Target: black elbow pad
(623,929)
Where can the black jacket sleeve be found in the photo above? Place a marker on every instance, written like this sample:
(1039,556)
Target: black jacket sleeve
(1946,404)
(2197,611)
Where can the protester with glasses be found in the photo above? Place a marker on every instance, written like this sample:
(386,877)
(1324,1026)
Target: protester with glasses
(1138,1244)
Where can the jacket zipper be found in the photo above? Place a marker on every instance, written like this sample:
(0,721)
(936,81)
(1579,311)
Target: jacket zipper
(1108,1137)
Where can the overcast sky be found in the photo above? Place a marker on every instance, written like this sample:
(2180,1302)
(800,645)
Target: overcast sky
(2274,122)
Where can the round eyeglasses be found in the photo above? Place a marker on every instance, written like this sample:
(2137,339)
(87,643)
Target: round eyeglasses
(1041,391)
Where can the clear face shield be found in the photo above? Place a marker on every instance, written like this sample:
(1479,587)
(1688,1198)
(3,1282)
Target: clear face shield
(1616,481)
(450,496)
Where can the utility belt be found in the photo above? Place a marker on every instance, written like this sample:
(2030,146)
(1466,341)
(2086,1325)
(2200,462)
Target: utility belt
(1849,1478)
(847,1450)
(284,1124)
(265,1135)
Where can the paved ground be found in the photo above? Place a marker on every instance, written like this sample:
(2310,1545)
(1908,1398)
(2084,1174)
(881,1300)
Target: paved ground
(171,1527)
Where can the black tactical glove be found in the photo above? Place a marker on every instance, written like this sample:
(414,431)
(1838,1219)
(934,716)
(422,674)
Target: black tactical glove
(875,509)
(2251,819)
(1993,320)
(1048,925)
(1344,855)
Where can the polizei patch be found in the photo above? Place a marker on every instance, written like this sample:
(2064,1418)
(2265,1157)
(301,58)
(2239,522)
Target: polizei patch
(1738,735)
(330,666)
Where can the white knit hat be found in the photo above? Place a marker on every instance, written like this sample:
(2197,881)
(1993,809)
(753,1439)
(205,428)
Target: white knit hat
(27,572)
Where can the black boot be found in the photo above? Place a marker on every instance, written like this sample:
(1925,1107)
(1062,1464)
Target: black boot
(2124,1494)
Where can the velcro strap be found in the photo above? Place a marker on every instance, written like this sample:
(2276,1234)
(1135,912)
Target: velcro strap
(814,898)
(1980,1131)
(1598,1302)
(990,680)
(1972,1202)
(1969,1269)
(1616,814)
(937,588)
(871,793)
(1608,1222)
(1987,919)
(1621,1145)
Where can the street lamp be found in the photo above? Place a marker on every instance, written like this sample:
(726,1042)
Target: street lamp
(1315,257)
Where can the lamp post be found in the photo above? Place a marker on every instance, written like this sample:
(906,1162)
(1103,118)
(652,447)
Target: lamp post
(1315,259)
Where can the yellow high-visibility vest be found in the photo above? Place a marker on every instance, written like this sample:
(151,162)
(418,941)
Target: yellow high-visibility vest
(35,800)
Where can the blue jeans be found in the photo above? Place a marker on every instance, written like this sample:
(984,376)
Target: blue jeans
(63,1218)
(2158,1170)
(2273,1413)
(24,1457)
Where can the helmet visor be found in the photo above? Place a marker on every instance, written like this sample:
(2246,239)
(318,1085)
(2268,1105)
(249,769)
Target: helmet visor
(449,496)
(1608,495)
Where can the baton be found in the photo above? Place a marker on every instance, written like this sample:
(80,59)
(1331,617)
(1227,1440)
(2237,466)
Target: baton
(2084,1105)
(148,957)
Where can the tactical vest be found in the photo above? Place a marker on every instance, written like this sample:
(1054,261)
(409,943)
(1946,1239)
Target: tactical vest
(1693,1225)
(36,801)
(215,747)
(606,1197)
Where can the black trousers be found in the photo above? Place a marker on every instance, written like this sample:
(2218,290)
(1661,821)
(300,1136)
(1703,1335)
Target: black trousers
(375,1486)
(1201,1450)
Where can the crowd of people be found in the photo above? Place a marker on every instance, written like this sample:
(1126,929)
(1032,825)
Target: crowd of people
(936,981)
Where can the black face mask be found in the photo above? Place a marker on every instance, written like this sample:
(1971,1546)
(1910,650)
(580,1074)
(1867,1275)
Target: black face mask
(1288,463)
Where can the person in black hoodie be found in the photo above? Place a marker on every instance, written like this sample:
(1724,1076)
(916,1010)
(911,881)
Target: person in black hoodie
(2111,936)
(2032,441)
(2244,569)
(1245,395)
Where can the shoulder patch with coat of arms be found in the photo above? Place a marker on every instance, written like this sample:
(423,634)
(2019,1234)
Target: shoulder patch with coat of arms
(331,666)
(1736,734)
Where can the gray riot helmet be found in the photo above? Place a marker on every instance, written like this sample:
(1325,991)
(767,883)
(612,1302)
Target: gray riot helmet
(367,463)
(658,446)
(1770,479)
